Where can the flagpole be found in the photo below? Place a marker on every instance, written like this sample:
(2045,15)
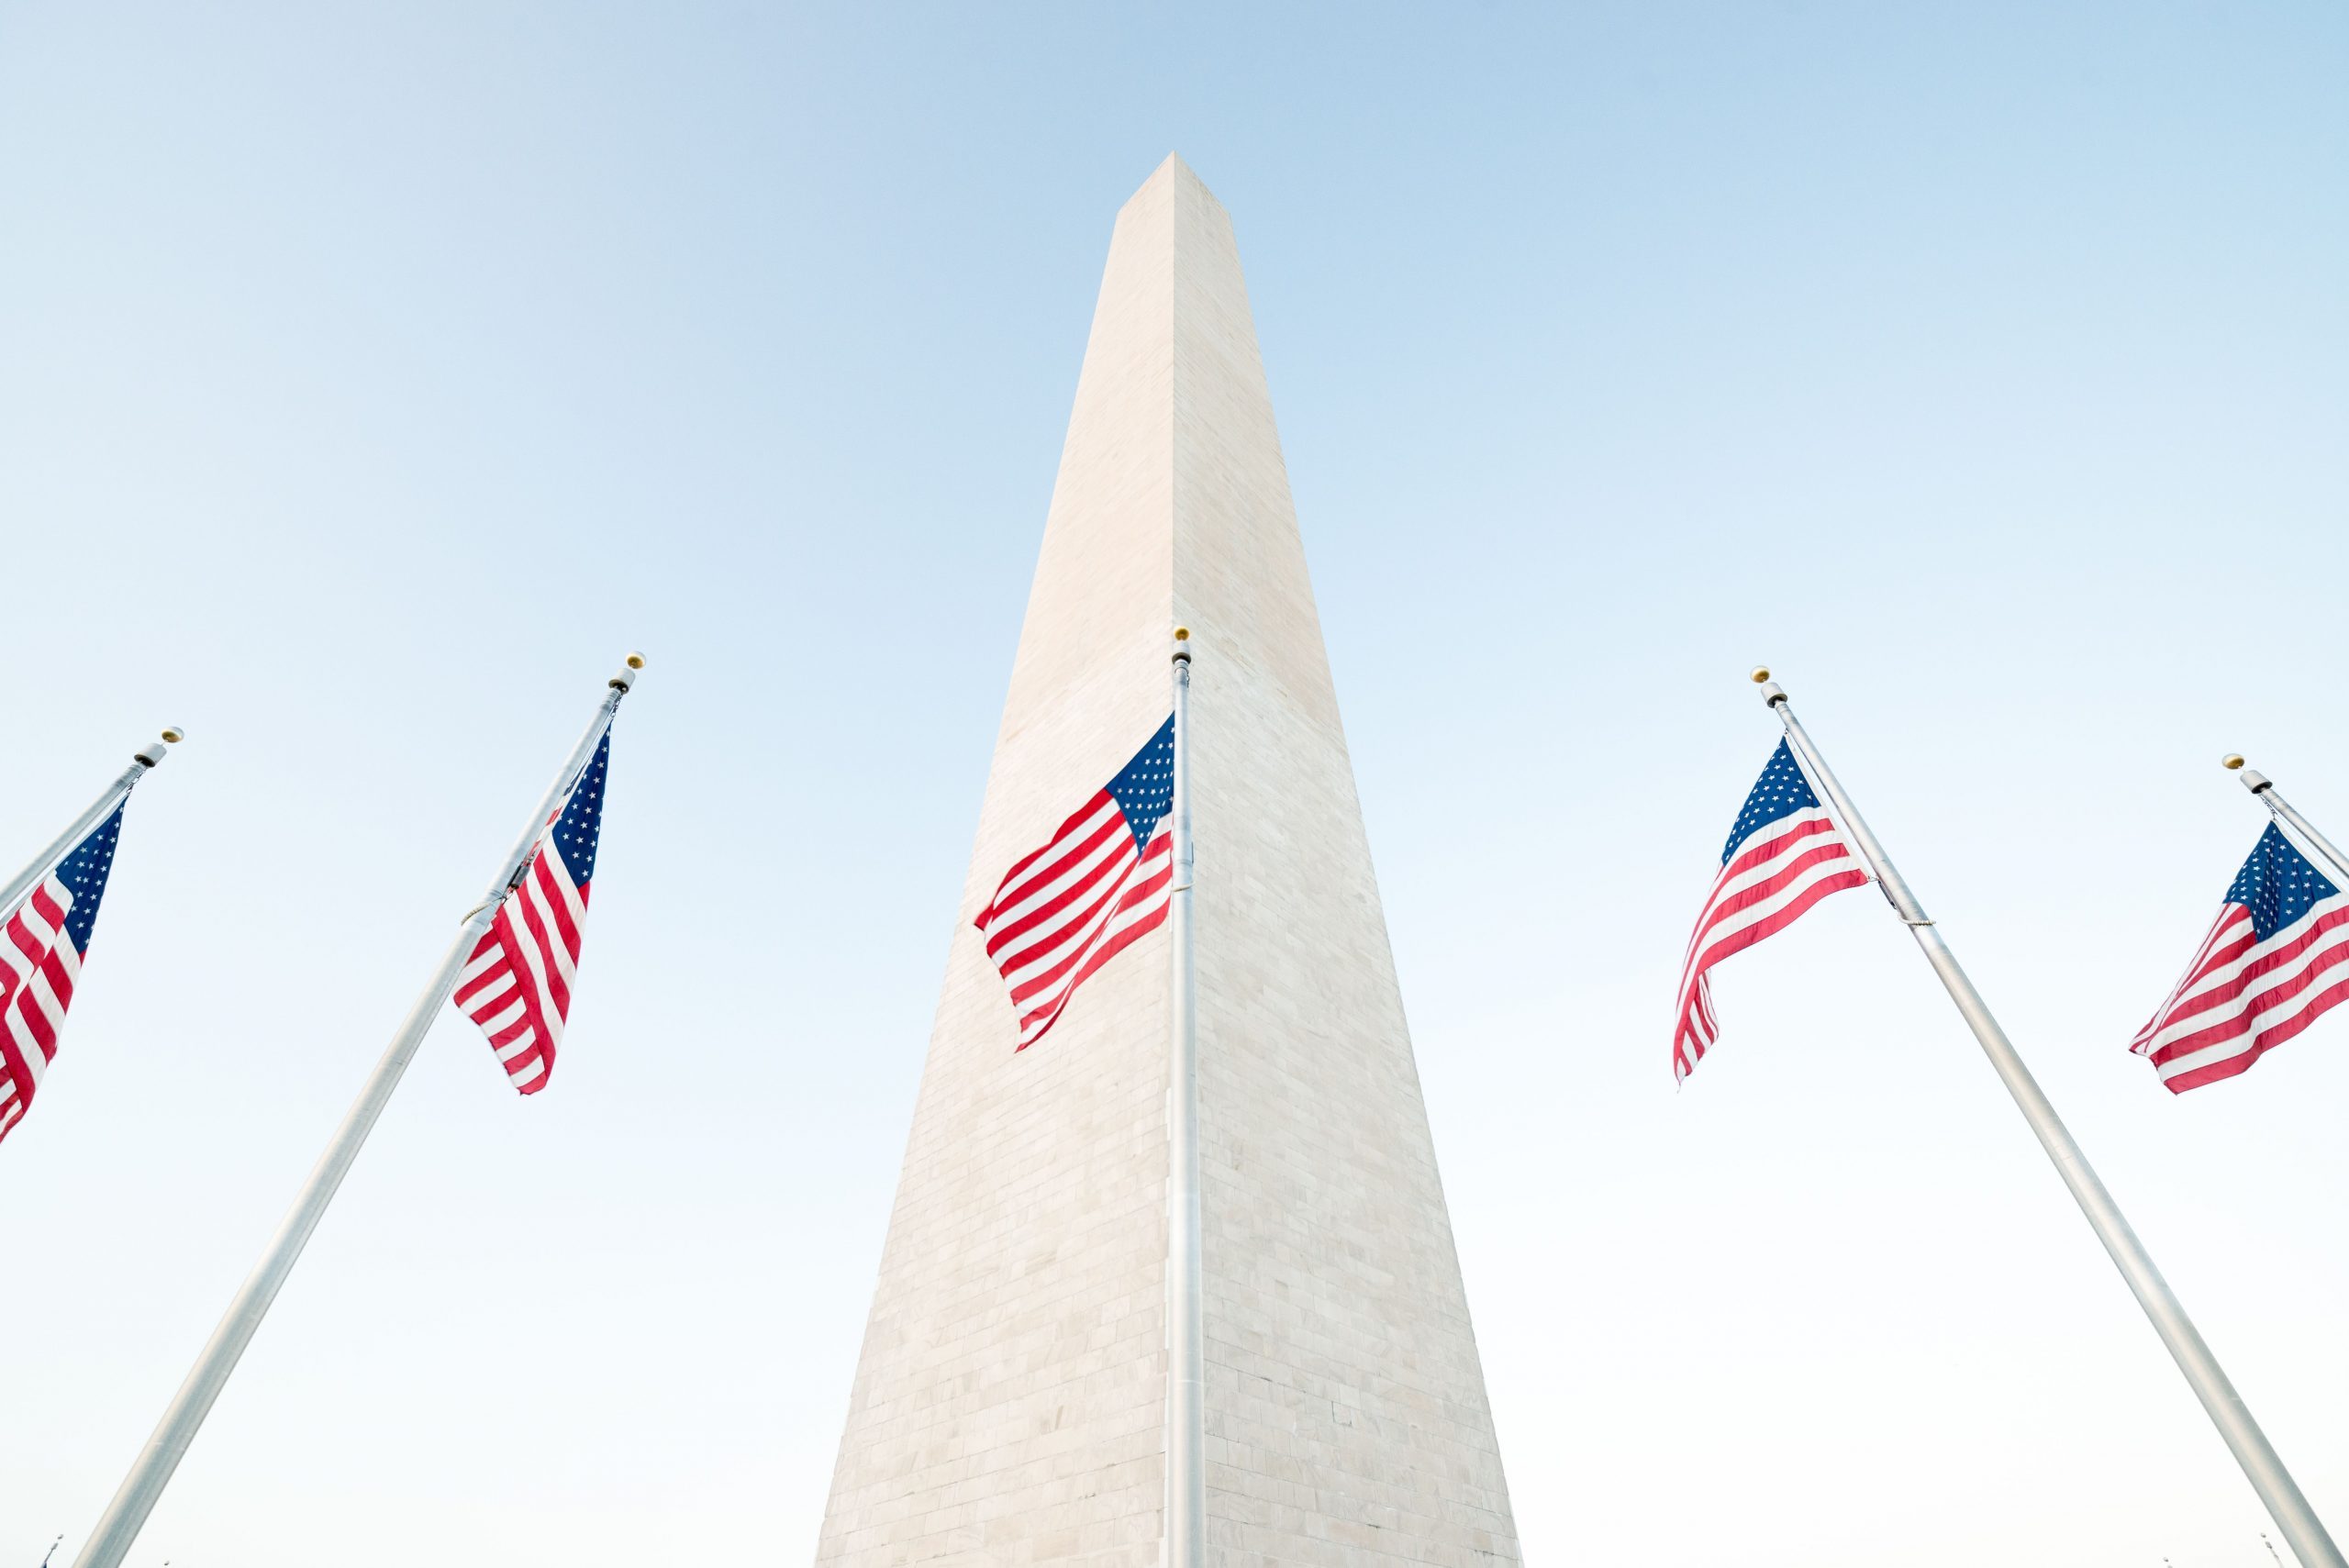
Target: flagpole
(110,1540)
(2301,1529)
(1186,1336)
(2277,806)
(143,761)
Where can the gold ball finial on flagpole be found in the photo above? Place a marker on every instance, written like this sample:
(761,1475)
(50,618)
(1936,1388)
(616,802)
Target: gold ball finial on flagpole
(2232,761)
(636,661)
(151,756)
(1761,673)
(1182,634)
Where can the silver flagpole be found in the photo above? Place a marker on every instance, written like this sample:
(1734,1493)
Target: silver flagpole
(110,1540)
(1186,1496)
(2277,806)
(2273,1484)
(146,758)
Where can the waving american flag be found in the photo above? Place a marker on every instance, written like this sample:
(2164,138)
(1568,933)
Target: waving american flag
(42,942)
(2277,957)
(517,984)
(1098,884)
(1783,855)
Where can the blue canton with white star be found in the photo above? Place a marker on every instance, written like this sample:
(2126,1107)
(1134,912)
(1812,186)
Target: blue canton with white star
(84,875)
(2277,885)
(1145,790)
(580,825)
(1781,790)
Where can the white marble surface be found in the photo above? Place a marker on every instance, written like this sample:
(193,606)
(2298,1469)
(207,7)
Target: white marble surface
(1008,1401)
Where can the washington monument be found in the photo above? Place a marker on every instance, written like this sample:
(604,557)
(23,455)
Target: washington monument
(1010,1401)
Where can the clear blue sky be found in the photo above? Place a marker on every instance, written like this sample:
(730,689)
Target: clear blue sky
(369,378)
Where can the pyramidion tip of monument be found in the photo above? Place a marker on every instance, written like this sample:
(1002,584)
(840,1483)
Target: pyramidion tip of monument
(1173,167)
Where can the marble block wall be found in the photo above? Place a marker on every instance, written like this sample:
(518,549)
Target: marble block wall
(1008,1406)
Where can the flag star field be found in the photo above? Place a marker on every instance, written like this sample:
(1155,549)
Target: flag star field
(2276,886)
(1144,789)
(1781,789)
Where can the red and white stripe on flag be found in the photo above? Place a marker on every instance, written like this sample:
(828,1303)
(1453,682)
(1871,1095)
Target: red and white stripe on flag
(1097,886)
(42,943)
(518,983)
(1783,855)
(38,969)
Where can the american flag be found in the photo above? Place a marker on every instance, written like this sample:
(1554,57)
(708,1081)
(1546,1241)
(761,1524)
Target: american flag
(1098,884)
(517,984)
(2273,961)
(42,943)
(1783,855)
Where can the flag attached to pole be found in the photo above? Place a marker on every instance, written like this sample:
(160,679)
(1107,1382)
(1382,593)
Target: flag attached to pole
(1098,884)
(517,984)
(2276,957)
(1783,855)
(42,942)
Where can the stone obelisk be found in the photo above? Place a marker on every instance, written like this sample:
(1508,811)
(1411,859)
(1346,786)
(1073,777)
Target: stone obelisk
(1009,1403)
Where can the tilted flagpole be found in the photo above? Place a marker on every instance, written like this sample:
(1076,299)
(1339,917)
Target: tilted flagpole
(2281,809)
(2286,1505)
(110,1540)
(143,761)
(1186,1500)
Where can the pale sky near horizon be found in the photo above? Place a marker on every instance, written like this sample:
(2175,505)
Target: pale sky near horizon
(371,379)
